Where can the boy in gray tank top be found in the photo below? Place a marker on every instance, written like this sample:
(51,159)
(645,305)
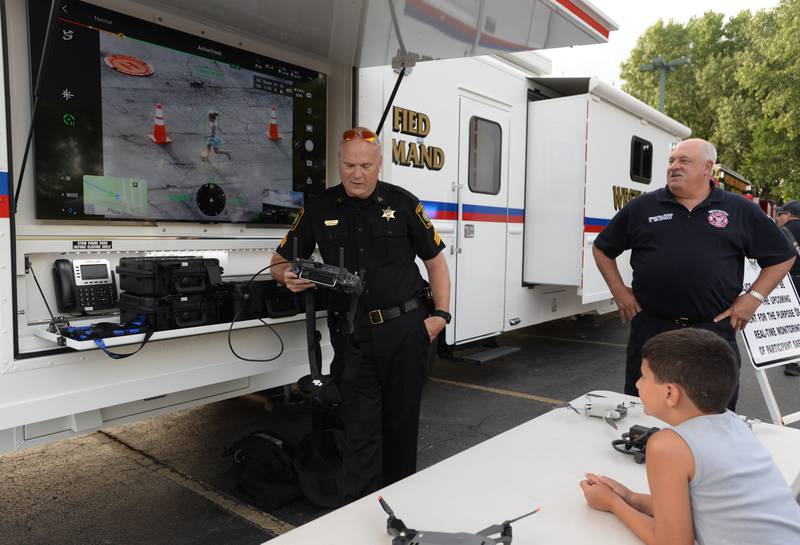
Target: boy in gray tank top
(710,479)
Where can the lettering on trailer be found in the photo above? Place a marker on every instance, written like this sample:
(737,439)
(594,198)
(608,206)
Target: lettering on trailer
(623,195)
(772,336)
(414,154)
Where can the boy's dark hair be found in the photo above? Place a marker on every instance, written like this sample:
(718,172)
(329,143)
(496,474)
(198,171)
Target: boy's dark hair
(699,361)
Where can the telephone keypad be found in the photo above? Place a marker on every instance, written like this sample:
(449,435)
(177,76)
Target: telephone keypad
(96,297)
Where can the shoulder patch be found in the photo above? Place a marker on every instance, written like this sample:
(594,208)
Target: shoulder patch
(297,219)
(423,217)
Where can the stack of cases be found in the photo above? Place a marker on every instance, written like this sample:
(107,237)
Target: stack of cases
(170,292)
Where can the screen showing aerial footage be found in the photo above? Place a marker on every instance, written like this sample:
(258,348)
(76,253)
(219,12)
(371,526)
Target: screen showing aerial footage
(140,122)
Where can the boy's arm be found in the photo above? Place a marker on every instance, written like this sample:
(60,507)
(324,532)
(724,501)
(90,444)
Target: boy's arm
(640,502)
(670,468)
(643,503)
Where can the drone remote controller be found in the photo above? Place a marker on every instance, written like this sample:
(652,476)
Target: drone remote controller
(634,442)
(328,276)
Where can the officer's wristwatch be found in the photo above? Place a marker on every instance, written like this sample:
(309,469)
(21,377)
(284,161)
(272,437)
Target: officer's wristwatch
(442,314)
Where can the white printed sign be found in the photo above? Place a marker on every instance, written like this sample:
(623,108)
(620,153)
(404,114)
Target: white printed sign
(772,336)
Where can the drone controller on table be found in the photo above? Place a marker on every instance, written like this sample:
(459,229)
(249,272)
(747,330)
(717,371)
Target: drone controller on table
(634,442)
(402,535)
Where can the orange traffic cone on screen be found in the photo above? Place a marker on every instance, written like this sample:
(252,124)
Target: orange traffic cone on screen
(159,135)
(273,124)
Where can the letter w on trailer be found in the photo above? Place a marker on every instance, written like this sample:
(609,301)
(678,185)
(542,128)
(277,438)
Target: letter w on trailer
(49,391)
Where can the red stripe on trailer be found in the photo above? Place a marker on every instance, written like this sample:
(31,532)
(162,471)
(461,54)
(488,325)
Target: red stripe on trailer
(585,17)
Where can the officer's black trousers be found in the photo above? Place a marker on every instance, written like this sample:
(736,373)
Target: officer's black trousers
(381,417)
(645,326)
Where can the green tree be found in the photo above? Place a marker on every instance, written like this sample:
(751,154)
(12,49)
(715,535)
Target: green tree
(741,90)
(710,45)
(768,73)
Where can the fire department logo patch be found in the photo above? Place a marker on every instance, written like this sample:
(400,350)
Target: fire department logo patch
(718,218)
(423,217)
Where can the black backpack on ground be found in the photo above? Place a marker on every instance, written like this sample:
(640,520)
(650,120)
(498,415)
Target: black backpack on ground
(320,464)
(264,469)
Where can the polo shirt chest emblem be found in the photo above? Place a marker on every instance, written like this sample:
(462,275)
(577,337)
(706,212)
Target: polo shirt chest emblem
(660,217)
(718,218)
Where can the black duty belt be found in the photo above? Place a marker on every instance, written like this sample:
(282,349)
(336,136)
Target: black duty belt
(381,315)
(680,321)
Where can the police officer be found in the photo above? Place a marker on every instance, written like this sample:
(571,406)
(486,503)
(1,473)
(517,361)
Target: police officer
(688,241)
(788,219)
(382,229)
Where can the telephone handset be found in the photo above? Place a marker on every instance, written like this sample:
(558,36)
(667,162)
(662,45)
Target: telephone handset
(84,285)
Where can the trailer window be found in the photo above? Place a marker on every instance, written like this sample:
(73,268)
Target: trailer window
(485,145)
(641,160)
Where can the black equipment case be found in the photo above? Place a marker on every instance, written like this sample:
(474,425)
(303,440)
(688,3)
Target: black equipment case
(264,298)
(168,275)
(171,311)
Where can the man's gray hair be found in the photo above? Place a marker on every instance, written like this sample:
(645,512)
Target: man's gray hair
(710,152)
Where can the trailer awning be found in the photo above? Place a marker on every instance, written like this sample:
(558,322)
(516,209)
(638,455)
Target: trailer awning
(360,32)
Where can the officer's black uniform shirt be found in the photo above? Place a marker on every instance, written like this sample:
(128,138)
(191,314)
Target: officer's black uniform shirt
(794,227)
(691,264)
(381,234)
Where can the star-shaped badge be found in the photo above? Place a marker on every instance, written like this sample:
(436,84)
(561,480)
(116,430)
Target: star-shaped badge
(388,213)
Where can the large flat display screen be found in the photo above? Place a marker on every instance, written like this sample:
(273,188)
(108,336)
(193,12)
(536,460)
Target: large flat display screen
(140,122)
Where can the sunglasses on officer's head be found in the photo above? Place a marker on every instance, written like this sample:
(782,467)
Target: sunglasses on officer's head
(364,134)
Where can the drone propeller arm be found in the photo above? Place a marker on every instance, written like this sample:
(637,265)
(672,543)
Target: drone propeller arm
(395,527)
(504,529)
(491,530)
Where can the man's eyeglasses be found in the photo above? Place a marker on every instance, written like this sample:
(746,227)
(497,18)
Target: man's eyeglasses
(364,134)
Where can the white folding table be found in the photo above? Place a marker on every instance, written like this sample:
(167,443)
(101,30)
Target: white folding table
(536,464)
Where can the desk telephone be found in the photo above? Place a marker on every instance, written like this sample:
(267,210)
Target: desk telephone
(84,285)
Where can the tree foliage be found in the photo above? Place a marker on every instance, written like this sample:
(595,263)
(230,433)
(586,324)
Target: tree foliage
(741,90)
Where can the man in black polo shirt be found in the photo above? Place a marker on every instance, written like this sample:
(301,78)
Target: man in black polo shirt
(382,229)
(788,219)
(688,241)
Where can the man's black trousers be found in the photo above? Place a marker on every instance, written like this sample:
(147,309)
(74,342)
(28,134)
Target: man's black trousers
(644,326)
(381,416)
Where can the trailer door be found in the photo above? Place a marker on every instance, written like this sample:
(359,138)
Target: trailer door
(482,219)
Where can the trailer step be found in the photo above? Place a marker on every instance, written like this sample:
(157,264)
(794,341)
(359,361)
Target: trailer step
(489,354)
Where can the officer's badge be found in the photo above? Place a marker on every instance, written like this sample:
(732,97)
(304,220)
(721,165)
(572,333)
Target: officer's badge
(423,217)
(331,223)
(297,219)
(388,213)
